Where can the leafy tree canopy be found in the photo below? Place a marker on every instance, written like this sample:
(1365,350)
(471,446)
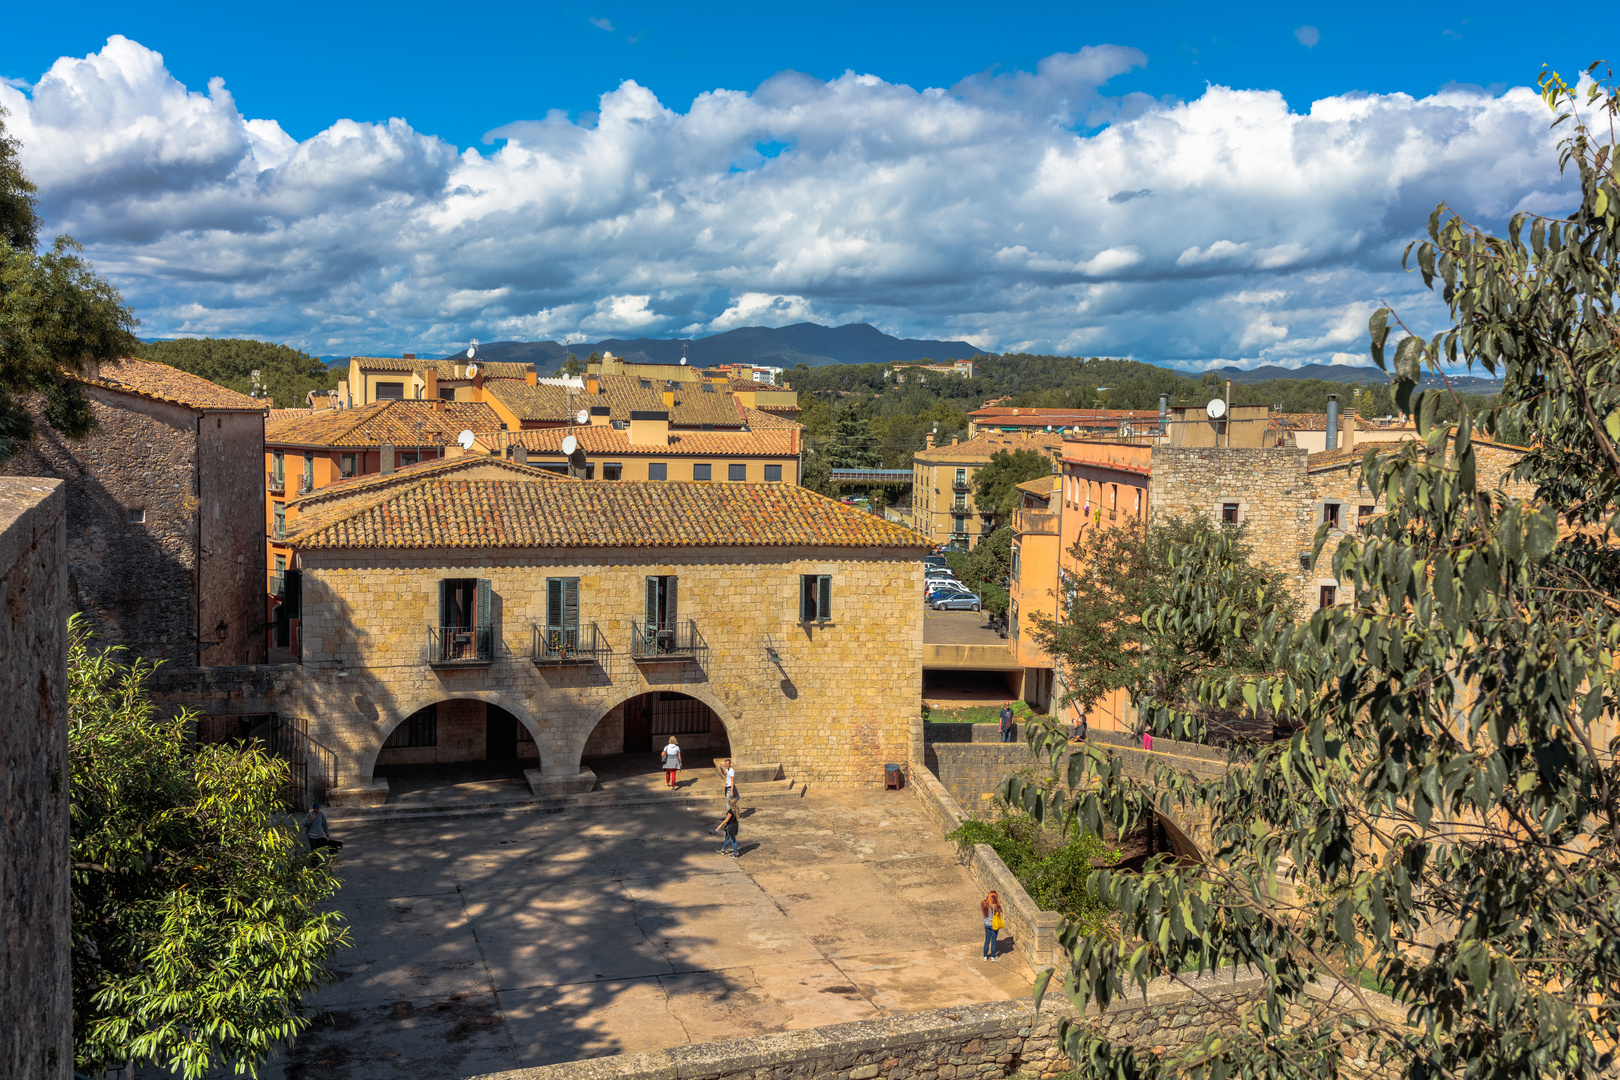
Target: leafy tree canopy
(995,485)
(285,374)
(985,568)
(1445,822)
(56,317)
(199,919)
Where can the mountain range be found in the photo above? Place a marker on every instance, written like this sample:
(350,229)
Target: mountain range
(1346,374)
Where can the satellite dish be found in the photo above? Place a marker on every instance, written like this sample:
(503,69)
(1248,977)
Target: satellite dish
(569,445)
(1216,408)
(472,352)
(683,361)
(472,370)
(465,439)
(582,417)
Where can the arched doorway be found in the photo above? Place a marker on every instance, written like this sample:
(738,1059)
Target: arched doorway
(623,749)
(460,749)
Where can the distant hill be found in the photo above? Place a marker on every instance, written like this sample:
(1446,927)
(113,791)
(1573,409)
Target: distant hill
(767,346)
(1346,374)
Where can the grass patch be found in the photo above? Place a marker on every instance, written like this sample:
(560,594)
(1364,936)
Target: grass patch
(1051,864)
(979,714)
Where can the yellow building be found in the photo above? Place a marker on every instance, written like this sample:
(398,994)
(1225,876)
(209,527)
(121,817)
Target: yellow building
(942,504)
(647,448)
(408,378)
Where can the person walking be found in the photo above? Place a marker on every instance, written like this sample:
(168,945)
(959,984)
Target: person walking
(319,836)
(731,781)
(728,829)
(990,908)
(1007,728)
(672,763)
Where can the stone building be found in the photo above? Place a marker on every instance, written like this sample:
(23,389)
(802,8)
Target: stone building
(1006,418)
(942,500)
(449,603)
(36,1036)
(165,501)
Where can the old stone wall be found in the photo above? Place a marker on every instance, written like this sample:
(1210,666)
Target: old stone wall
(133,578)
(839,700)
(230,478)
(36,1037)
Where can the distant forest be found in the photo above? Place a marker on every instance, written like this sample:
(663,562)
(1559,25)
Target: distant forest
(287,375)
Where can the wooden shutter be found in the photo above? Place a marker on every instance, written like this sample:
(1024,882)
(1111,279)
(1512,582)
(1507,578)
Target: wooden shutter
(482,619)
(571,603)
(444,602)
(292,594)
(652,604)
(669,601)
(554,602)
(807,599)
(823,597)
(562,602)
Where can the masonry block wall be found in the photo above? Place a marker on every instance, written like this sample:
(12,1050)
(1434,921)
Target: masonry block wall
(839,701)
(36,1036)
(231,536)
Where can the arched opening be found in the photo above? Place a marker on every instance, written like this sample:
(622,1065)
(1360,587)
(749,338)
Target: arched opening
(623,749)
(457,750)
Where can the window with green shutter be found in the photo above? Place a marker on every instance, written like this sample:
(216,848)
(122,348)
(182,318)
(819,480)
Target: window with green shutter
(815,598)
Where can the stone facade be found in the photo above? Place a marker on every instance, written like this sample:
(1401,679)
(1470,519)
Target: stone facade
(165,506)
(36,1037)
(839,700)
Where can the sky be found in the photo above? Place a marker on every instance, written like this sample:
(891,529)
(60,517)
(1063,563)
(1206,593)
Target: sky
(1194,184)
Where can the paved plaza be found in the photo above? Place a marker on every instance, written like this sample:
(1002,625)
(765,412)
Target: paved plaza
(490,943)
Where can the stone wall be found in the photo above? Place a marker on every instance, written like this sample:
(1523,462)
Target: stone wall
(838,701)
(36,1037)
(133,579)
(231,585)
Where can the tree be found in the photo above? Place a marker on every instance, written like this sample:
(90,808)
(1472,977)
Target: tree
(995,485)
(285,374)
(571,366)
(1446,820)
(56,317)
(1103,642)
(985,568)
(198,915)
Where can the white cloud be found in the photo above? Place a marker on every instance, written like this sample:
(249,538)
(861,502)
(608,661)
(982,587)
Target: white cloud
(1228,226)
(1308,36)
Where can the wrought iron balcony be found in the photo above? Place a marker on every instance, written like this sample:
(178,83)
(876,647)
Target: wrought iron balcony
(678,642)
(275,484)
(460,646)
(278,582)
(566,644)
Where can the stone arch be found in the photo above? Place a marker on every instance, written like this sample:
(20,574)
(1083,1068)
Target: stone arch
(397,717)
(620,696)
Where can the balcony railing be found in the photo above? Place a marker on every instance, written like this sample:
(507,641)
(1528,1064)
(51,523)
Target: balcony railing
(278,582)
(275,484)
(671,641)
(455,645)
(960,485)
(566,644)
(306,485)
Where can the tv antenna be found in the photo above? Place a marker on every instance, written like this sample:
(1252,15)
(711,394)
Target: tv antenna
(466,439)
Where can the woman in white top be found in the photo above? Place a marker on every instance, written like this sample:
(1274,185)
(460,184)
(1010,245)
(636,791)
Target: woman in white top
(672,763)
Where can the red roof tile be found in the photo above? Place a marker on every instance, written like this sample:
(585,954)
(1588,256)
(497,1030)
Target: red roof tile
(165,383)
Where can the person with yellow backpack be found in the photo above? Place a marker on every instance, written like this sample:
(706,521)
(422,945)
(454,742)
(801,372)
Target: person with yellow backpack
(990,908)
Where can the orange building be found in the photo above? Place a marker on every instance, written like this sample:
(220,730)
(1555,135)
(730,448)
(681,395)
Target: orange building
(1032,580)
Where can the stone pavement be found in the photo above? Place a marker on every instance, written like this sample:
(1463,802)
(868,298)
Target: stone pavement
(494,943)
(959,628)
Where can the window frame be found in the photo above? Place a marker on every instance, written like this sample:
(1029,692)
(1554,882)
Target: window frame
(617,468)
(659,467)
(769,469)
(815,598)
(733,469)
(702,470)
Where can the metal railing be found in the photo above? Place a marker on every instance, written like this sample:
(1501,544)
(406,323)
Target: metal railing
(278,582)
(461,644)
(566,644)
(667,641)
(275,484)
(311,767)
(306,485)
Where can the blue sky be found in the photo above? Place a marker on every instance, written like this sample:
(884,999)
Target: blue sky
(1193,184)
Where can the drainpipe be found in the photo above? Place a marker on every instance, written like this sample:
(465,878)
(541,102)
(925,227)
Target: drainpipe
(1332,442)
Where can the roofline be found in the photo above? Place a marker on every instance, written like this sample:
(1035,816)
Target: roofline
(262,410)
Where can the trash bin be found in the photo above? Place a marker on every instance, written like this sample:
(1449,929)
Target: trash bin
(893,777)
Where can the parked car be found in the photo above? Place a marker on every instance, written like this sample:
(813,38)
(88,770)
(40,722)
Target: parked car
(945,581)
(955,601)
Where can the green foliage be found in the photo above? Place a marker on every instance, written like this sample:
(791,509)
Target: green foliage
(1052,865)
(1449,807)
(1105,644)
(981,714)
(984,569)
(995,485)
(199,919)
(56,317)
(285,374)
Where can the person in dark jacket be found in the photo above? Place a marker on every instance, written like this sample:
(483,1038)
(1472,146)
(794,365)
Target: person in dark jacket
(728,828)
(1007,728)
(319,836)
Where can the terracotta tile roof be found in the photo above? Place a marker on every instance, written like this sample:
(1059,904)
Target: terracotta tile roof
(446,369)
(547,403)
(533,513)
(1042,486)
(1338,459)
(386,363)
(165,383)
(288,414)
(1021,417)
(767,420)
(694,406)
(983,445)
(476,466)
(403,423)
(601,439)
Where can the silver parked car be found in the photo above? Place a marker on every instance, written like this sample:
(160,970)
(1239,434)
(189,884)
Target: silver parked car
(954,601)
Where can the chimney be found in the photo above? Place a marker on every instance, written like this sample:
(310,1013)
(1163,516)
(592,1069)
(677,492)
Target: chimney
(928,441)
(954,441)
(593,384)
(438,405)
(1164,411)
(408,356)
(669,399)
(649,428)
(601,416)
(386,452)
(520,454)
(531,377)
(505,436)
(1332,440)
(343,391)
(430,383)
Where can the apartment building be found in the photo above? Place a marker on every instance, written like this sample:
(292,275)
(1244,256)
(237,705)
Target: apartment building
(647,448)
(942,501)
(1096,422)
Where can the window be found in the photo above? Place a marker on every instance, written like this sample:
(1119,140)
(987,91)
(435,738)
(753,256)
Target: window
(613,472)
(960,503)
(1328,596)
(773,474)
(1229,513)
(961,478)
(279,516)
(658,470)
(701,472)
(447,393)
(662,611)
(466,620)
(1012,619)
(562,612)
(137,515)
(390,391)
(815,598)
(309,470)
(421,728)
(1330,515)
(736,471)
(409,457)
(346,464)
(959,525)
(555,467)
(278,469)
(1139,503)
(1012,568)
(1364,516)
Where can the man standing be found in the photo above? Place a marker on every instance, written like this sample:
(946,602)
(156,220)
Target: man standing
(315,829)
(731,781)
(1007,728)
